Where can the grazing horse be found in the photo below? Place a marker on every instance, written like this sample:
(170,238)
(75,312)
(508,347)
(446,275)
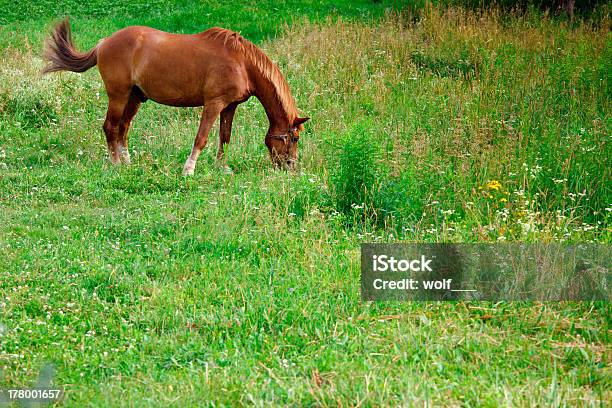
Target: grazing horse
(217,69)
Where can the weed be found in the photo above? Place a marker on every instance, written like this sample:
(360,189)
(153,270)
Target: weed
(28,110)
(356,171)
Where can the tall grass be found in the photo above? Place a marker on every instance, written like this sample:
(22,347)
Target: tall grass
(356,171)
(505,118)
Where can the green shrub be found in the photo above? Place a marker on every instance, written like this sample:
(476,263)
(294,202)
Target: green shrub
(363,189)
(356,172)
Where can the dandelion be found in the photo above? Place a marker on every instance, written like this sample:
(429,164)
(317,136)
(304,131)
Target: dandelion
(494,185)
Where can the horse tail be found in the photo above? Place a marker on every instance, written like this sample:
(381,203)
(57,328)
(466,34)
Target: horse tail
(61,55)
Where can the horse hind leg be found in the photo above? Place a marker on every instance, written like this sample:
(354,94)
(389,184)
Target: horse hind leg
(112,125)
(124,126)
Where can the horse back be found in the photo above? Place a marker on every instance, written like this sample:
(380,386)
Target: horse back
(172,69)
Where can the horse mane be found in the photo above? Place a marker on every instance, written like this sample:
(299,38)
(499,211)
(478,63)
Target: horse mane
(261,61)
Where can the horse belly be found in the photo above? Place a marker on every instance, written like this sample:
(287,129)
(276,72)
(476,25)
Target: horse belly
(171,88)
(170,78)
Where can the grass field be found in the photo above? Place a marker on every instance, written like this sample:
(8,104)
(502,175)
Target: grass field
(145,288)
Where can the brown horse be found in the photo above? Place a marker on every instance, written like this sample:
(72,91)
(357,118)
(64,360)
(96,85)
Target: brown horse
(217,69)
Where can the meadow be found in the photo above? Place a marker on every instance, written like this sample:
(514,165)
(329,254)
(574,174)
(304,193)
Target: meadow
(142,287)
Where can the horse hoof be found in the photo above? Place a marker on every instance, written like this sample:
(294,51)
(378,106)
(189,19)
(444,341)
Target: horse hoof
(126,159)
(227,170)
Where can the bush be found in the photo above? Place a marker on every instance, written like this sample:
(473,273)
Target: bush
(362,188)
(356,172)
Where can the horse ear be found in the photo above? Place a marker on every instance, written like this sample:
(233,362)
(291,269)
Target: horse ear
(299,121)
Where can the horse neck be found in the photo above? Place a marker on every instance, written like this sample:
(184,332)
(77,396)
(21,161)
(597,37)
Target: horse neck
(266,92)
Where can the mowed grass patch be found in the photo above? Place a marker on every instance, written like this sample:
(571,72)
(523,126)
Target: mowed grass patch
(145,288)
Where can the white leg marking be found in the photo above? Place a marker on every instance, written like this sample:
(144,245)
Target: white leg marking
(189,167)
(125,154)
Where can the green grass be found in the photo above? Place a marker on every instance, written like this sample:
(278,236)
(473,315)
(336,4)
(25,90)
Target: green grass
(92,19)
(145,288)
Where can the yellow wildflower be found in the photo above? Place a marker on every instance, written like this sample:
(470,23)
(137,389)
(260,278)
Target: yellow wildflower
(494,185)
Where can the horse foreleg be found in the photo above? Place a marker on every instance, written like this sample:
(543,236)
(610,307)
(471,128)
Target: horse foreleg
(128,114)
(209,115)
